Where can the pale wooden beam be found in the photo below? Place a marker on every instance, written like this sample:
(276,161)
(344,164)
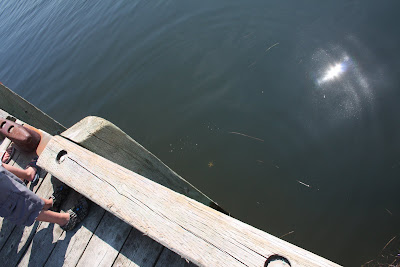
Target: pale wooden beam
(198,233)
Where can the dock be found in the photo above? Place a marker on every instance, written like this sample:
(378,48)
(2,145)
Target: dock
(142,212)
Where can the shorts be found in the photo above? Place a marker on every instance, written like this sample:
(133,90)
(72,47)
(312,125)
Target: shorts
(18,204)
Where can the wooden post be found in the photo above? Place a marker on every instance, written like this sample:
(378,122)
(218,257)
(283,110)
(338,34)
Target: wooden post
(196,232)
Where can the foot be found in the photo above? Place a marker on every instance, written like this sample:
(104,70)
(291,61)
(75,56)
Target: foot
(76,214)
(7,155)
(58,197)
(33,172)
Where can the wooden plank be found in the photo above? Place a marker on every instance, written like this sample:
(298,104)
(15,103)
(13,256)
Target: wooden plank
(97,135)
(46,234)
(169,258)
(16,236)
(109,141)
(25,111)
(17,244)
(105,244)
(20,239)
(8,227)
(18,160)
(139,250)
(189,228)
(71,245)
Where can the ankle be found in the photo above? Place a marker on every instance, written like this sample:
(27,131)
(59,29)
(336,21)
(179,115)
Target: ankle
(65,220)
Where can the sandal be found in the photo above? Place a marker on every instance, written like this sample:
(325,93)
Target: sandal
(10,151)
(35,179)
(76,214)
(58,196)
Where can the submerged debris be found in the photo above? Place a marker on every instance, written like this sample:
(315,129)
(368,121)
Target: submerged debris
(391,214)
(271,47)
(307,185)
(387,244)
(303,184)
(259,139)
(289,233)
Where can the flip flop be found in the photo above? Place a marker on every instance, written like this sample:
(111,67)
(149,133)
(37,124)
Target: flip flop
(10,150)
(37,173)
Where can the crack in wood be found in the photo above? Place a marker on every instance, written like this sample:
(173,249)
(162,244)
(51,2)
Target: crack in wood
(132,198)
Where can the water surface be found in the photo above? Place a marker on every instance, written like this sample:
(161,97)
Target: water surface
(316,82)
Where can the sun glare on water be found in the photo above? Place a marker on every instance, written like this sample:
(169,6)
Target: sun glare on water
(334,72)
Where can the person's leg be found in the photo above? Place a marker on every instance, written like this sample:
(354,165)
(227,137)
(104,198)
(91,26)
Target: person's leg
(48,203)
(27,174)
(53,217)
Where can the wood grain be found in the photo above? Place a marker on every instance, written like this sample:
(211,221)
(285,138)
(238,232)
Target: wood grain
(109,141)
(103,248)
(194,231)
(139,250)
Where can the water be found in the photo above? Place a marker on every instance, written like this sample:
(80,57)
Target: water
(317,81)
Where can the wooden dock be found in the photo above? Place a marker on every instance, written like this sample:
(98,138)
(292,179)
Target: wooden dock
(129,187)
(101,240)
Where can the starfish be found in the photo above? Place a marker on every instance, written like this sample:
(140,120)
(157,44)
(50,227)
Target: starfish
(210,164)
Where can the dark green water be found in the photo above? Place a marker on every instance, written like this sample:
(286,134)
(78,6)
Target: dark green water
(318,81)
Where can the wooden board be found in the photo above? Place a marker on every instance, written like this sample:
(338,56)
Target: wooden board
(21,161)
(46,234)
(189,228)
(107,140)
(139,250)
(20,238)
(71,245)
(68,248)
(104,246)
(169,258)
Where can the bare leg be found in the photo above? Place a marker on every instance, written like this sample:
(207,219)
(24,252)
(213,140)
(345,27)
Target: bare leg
(53,217)
(48,203)
(27,174)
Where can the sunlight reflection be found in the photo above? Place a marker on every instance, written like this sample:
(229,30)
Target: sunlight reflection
(334,72)
(344,88)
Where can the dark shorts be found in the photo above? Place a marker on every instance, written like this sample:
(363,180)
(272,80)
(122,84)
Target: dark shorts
(18,204)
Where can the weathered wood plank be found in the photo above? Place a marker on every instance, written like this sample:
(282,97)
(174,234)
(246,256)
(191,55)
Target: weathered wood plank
(71,245)
(139,250)
(189,228)
(99,142)
(18,160)
(20,238)
(104,246)
(98,135)
(46,234)
(11,235)
(7,227)
(25,111)
(169,258)
(109,141)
